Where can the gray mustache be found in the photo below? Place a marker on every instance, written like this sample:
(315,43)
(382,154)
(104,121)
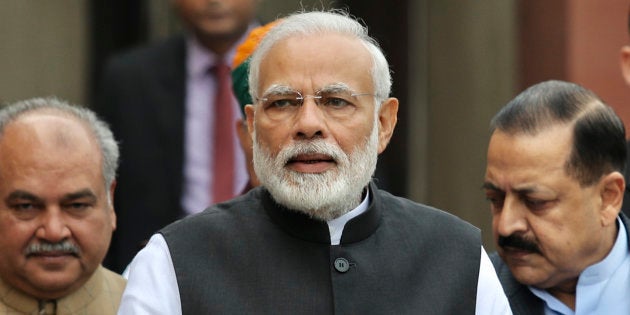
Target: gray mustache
(45,247)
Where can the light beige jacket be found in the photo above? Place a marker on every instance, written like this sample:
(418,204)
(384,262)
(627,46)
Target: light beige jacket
(100,295)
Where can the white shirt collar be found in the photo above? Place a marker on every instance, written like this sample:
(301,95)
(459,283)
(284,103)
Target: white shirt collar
(335,226)
(605,268)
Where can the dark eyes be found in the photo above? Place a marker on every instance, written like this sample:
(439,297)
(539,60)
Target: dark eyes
(25,210)
(536,204)
(77,206)
(496,202)
(281,107)
(334,102)
(533,204)
(23,206)
(29,210)
(282,101)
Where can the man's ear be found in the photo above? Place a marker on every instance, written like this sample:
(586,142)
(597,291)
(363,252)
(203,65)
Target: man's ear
(243,135)
(387,118)
(612,189)
(624,62)
(249,114)
(110,204)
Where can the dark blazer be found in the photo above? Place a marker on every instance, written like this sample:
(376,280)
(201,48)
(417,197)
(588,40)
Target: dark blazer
(523,301)
(625,208)
(142,97)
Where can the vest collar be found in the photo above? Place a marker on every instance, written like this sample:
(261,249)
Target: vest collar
(300,225)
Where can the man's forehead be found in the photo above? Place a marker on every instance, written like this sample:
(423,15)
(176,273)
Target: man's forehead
(550,145)
(509,174)
(318,49)
(49,126)
(50,143)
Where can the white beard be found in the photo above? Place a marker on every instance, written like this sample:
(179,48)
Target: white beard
(326,195)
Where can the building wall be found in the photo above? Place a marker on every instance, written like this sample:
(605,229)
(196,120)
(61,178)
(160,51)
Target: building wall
(43,50)
(595,33)
(576,41)
(466,72)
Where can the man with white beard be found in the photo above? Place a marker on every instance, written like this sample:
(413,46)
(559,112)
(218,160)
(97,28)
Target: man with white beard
(317,237)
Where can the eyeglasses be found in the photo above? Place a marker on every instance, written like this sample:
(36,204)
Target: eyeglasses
(335,103)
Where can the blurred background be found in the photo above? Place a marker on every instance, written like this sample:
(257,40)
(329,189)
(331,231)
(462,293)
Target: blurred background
(454,63)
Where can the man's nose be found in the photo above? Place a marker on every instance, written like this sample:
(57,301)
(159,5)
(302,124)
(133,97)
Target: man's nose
(310,120)
(53,227)
(511,218)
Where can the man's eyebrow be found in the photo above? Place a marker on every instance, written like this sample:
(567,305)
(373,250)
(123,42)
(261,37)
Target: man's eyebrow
(25,195)
(490,186)
(335,88)
(278,89)
(84,193)
(519,191)
(22,194)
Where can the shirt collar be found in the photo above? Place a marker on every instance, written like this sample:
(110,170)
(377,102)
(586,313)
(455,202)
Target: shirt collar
(598,272)
(335,226)
(358,226)
(605,268)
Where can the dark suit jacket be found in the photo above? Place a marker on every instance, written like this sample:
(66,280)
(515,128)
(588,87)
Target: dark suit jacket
(523,301)
(142,97)
(626,197)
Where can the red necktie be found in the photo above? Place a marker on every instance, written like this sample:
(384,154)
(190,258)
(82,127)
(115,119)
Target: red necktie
(223,168)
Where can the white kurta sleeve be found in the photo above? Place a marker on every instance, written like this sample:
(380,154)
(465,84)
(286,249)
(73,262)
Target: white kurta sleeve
(152,285)
(491,298)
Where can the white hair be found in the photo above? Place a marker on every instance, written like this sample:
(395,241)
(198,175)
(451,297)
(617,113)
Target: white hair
(99,128)
(319,22)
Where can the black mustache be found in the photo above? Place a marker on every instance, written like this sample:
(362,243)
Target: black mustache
(518,242)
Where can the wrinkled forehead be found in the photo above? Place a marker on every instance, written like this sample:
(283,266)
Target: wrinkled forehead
(316,61)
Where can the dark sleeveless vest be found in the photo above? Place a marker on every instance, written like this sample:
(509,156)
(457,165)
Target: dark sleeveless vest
(252,256)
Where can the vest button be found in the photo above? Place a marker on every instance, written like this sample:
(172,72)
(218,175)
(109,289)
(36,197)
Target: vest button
(342,265)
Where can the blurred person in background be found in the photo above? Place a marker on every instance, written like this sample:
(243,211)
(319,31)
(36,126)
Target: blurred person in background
(625,71)
(170,105)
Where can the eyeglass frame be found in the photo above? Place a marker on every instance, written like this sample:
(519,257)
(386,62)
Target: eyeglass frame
(300,98)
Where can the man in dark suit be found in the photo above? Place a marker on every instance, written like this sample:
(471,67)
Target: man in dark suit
(160,102)
(555,183)
(625,71)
